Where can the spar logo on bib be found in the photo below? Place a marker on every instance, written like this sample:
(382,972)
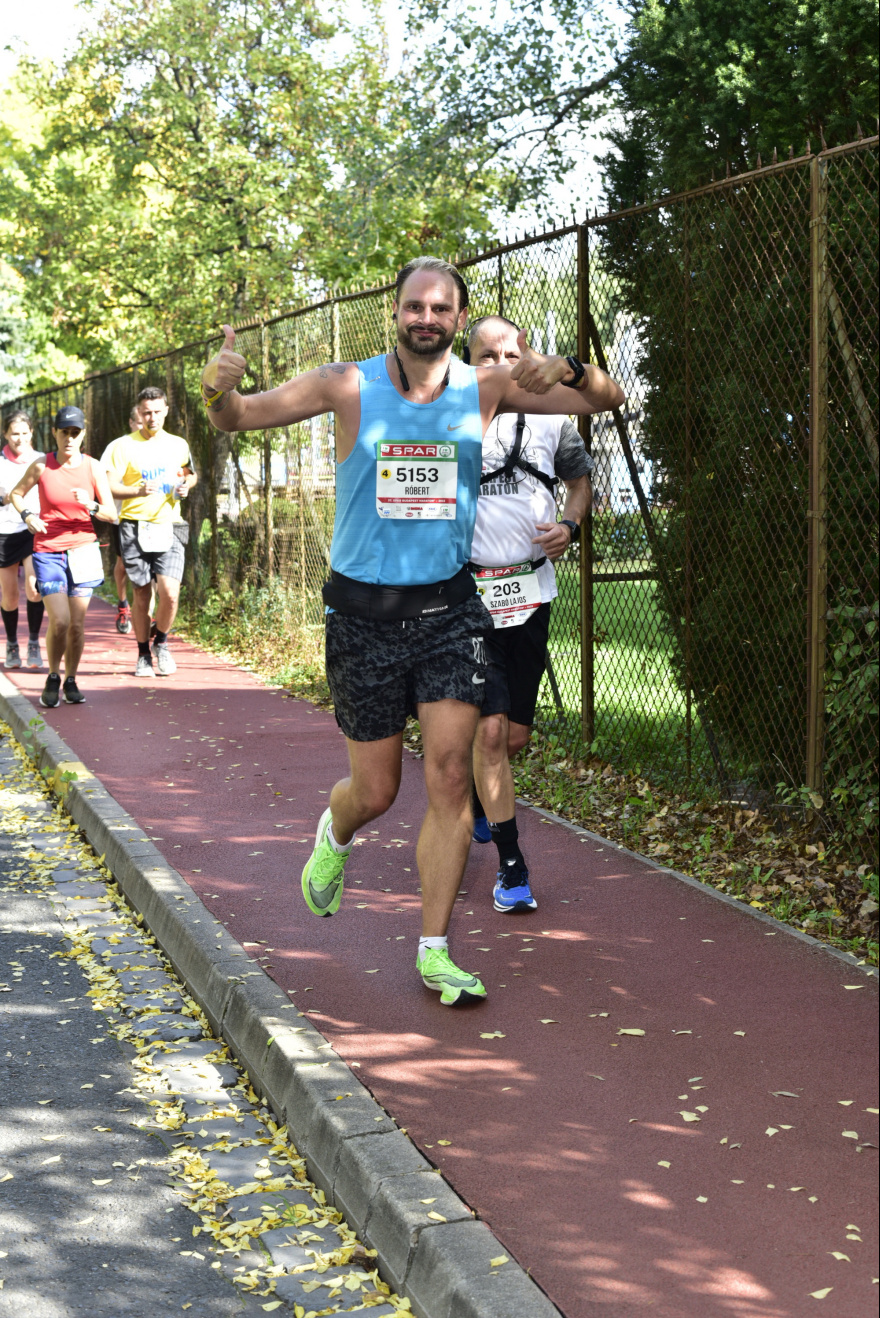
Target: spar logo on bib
(416,480)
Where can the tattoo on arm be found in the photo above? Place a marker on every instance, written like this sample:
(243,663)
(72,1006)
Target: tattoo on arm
(338,368)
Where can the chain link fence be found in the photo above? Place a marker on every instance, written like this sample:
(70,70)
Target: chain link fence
(717,623)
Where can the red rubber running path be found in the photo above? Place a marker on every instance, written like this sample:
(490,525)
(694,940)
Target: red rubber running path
(564,1134)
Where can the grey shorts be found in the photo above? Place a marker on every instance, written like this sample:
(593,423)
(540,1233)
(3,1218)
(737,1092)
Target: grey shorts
(141,568)
(380,671)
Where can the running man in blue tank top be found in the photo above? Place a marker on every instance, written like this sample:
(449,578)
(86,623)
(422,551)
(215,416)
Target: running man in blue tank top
(405,627)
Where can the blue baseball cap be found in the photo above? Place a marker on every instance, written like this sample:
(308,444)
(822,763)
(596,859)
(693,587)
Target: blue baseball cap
(66,417)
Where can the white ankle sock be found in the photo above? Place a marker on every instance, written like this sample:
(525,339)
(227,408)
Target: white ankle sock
(425,943)
(337,846)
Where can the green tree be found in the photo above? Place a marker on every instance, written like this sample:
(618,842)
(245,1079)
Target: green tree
(711,83)
(199,160)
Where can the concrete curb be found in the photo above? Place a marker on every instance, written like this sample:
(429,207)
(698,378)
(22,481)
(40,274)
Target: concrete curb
(354,1151)
(708,891)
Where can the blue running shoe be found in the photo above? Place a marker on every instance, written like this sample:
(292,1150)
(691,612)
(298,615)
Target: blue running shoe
(482,832)
(512,891)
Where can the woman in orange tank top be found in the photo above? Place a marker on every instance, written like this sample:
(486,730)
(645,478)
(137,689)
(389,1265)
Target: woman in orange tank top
(73,488)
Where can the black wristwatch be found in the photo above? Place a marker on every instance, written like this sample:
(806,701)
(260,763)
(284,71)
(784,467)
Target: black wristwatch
(579,371)
(572,526)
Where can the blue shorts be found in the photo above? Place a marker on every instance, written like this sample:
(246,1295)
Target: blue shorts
(53,576)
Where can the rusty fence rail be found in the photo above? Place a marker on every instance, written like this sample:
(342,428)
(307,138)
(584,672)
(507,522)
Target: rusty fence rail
(717,623)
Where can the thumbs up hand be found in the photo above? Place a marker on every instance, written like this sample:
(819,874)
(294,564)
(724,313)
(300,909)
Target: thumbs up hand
(534,373)
(223,373)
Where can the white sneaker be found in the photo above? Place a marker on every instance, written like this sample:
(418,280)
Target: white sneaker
(144,666)
(165,664)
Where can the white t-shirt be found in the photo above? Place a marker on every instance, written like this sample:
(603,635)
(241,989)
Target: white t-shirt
(508,510)
(10,474)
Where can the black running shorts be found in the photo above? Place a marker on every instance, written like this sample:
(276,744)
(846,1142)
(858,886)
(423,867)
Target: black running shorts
(379,671)
(15,548)
(517,659)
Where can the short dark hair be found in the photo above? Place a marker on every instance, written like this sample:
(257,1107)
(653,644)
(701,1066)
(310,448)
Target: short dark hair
(439,267)
(18,416)
(148,394)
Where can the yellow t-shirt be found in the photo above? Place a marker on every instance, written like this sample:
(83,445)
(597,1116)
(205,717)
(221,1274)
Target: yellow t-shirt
(133,459)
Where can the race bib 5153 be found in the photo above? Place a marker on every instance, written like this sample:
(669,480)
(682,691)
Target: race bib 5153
(416,480)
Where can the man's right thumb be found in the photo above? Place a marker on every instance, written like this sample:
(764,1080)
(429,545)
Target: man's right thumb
(229,341)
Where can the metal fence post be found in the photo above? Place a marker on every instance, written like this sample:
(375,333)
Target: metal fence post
(817,578)
(687,500)
(588,707)
(268,506)
(335,349)
(211,464)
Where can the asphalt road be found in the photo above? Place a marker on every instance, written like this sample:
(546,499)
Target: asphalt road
(715,1164)
(70,1246)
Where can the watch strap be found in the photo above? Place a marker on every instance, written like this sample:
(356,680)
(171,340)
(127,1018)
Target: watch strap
(572,526)
(579,372)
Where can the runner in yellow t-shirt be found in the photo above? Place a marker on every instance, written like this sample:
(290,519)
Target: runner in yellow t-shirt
(151,471)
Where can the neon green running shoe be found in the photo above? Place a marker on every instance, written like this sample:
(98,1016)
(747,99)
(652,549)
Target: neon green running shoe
(323,878)
(439,972)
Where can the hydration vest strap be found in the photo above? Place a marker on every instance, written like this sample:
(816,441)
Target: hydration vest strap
(515,459)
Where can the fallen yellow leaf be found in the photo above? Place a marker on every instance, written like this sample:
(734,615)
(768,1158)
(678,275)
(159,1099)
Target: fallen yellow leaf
(548,1021)
(273,1304)
(496,1263)
(841,1258)
(428,1201)
(852,987)
(741,1033)
(771,1130)
(630,1031)
(701,1199)
(106,1182)
(436,1217)
(689,1116)
(57,1158)
(664,1164)
(496,1034)
(820,1295)
(444,1142)
(850,1134)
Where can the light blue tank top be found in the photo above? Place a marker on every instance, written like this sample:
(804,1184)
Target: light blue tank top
(407,551)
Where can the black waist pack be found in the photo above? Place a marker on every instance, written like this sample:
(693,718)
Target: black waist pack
(361,599)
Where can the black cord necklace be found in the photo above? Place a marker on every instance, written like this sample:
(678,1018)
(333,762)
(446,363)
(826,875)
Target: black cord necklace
(405,382)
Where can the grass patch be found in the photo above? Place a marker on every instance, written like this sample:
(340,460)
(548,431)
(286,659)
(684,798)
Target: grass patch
(255,631)
(640,711)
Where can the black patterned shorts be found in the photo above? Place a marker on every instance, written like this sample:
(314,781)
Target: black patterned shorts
(380,671)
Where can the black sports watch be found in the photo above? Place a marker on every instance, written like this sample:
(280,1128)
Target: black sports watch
(572,526)
(579,372)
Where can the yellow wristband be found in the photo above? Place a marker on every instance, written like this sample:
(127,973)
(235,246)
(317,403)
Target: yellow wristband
(213,398)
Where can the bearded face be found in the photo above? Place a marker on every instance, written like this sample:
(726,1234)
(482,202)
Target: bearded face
(425,338)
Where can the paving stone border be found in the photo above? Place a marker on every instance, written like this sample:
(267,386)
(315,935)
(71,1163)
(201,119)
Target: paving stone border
(354,1152)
